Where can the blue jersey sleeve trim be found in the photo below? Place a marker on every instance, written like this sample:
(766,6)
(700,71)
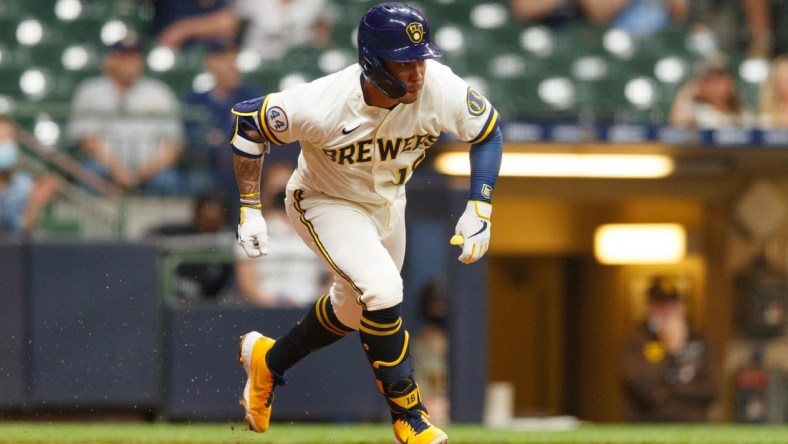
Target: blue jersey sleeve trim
(256,108)
(489,125)
(269,134)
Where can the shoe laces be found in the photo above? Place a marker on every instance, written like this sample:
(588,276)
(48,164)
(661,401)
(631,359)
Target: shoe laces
(276,379)
(415,420)
(270,399)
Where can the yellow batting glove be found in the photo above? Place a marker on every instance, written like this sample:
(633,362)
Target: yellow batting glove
(472,232)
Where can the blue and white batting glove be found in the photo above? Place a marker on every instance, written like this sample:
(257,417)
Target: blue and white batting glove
(473,231)
(253,232)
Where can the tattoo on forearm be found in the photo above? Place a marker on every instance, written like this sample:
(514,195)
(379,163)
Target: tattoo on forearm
(247,173)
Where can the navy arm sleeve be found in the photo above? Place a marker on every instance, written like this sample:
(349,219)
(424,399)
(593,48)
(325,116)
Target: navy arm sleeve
(485,158)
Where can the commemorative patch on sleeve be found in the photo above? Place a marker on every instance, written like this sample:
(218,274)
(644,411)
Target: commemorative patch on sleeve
(476,103)
(276,119)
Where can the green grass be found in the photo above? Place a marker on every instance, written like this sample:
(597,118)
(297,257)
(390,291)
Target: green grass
(112,433)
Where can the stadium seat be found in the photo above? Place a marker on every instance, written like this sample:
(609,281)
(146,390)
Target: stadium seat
(520,98)
(7,55)
(12,9)
(66,83)
(302,58)
(580,38)
(41,9)
(84,30)
(441,13)
(343,33)
(509,60)
(268,79)
(45,54)
(343,29)
(602,98)
(181,80)
(9,81)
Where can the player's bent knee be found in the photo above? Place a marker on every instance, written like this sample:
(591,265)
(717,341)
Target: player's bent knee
(386,292)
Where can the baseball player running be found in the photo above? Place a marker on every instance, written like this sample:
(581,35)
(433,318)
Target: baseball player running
(363,131)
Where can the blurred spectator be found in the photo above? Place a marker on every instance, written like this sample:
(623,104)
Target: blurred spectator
(779,26)
(548,12)
(274,26)
(667,370)
(208,229)
(757,27)
(430,350)
(290,275)
(21,196)
(774,95)
(126,124)
(729,26)
(179,23)
(207,136)
(636,17)
(759,23)
(711,100)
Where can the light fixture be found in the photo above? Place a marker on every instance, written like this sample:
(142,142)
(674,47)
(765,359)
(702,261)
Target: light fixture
(203,82)
(754,71)
(619,244)
(333,60)
(7,104)
(29,32)
(640,166)
(489,15)
(450,39)
(589,68)
(46,130)
(75,57)
(640,92)
(68,10)
(619,43)
(34,83)
(507,66)
(538,40)
(670,69)
(248,60)
(559,92)
(292,79)
(113,31)
(161,59)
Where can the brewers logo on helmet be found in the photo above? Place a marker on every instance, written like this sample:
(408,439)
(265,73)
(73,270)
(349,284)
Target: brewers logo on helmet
(415,32)
(392,31)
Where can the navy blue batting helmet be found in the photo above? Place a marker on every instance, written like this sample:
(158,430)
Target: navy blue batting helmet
(392,31)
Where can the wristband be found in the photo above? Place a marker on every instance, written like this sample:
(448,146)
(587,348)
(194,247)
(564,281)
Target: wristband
(251,203)
(251,200)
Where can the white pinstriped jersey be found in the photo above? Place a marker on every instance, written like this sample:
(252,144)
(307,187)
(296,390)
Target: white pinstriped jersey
(365,154)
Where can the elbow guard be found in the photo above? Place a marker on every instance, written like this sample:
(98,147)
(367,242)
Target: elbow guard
(246,115)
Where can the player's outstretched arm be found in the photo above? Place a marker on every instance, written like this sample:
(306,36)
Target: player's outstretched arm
(249,146)
(472,232)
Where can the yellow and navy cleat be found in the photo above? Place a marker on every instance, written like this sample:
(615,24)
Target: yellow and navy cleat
(414,427)
(260,382)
